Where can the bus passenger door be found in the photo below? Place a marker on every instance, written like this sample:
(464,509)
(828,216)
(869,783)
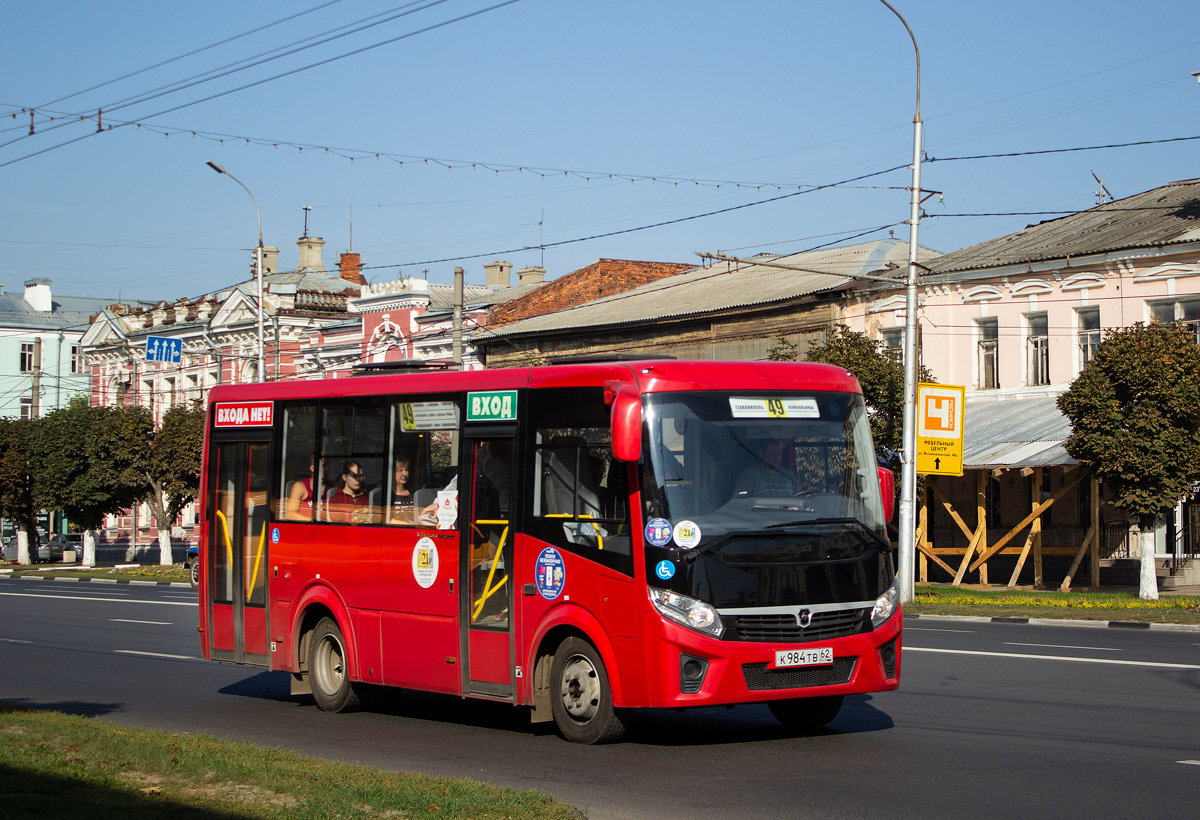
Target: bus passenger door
(236,552)
(486,563)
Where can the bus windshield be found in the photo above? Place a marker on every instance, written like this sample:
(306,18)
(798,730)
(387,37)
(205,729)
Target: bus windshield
(748,462)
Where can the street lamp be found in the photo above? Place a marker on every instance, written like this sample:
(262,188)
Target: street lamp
(261,368)
(908,467)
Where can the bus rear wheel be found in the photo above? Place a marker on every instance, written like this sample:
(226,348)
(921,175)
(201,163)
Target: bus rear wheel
(806,713)
(327,672)
(581,697)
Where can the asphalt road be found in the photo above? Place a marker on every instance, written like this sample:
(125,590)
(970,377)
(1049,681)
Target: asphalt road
(992,720)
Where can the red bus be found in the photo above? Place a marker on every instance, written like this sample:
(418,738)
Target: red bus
(584,539)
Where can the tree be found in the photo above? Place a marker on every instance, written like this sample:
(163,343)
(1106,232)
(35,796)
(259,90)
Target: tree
(89,462)
(1135,413)
(172,472)
(881,378)
(16,485)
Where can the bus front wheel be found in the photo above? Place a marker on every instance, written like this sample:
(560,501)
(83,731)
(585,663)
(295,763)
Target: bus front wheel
(806,713)
(581,698)
(327,672)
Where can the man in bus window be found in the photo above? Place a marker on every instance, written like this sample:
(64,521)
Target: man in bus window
(766,477)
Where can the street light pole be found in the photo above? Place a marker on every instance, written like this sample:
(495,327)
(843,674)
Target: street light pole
(908,474)
(261,368)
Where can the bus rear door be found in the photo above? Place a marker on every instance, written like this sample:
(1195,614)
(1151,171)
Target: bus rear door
(236,551)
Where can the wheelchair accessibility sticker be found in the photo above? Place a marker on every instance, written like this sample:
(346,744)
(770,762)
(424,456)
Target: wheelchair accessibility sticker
(550,573)
(665,570)
(274,535)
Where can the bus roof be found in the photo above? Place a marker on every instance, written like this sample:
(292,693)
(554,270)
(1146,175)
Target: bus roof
(649,376)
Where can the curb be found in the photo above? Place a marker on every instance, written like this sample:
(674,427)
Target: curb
(979,619)
(183,584)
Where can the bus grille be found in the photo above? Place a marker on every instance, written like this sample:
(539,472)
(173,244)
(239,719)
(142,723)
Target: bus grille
(781,628)
(760,678)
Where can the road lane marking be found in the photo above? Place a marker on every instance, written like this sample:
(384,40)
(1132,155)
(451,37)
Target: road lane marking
(131,621)
(156,655)
(13,640)
(1111,661)
(1189,762)
(90,598)
(1063,646)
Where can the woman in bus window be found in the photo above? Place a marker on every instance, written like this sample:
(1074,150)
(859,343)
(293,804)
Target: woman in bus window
(403,510)
(349,503)
(301,497)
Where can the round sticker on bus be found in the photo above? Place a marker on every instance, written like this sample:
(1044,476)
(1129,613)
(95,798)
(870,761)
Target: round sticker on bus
(425,562)
(665,570)
(658,532)
(687,534)
(274,535)
(550,573)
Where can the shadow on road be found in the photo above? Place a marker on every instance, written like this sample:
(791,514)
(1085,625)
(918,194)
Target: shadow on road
(69,707)
(25,793)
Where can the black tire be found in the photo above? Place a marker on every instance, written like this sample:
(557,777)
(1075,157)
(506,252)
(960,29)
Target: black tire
(327,673)
(806,714)
(194,574)
(580,695)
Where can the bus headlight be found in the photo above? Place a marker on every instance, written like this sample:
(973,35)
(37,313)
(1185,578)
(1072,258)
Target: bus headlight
(886,604)
(687,611)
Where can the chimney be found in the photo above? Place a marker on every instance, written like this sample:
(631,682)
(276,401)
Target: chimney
(350,268)
(270,260)
(37,294)
(310,253)
(497,274)
(532,275)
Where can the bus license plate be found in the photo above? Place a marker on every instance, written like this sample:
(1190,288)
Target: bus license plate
(812,656)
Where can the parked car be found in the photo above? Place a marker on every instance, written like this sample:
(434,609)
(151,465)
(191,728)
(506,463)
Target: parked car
(193,566)
(53,549)
(10,548)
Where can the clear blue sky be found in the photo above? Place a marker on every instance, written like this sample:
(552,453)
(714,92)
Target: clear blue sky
(785,93)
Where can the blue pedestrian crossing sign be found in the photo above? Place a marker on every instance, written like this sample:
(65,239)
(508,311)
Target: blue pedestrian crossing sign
(163,349)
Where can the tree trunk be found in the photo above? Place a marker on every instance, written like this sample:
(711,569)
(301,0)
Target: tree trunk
(1148,579)
(23,547)
(165,558)
(89,548)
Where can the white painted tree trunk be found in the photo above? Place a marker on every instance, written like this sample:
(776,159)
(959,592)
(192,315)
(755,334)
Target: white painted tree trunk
(1148,580)
(89,548)
(23,547)
(165,557)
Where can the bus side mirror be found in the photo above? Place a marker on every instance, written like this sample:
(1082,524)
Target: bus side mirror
(887,490)
(627,425)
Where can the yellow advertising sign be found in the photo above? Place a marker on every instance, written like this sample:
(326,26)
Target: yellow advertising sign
(940,417)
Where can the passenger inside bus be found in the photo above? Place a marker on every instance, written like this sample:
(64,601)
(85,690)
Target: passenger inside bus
(350,503)
(404,509)
(301,496)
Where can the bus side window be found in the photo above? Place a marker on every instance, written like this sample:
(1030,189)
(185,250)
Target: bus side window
(352,463)
(296,499)
(579,493)
(421,487)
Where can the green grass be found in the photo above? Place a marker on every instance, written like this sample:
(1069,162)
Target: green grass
(1103,606)
(75,768)
(147,572)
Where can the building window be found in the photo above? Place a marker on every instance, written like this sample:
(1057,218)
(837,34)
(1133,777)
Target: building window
(26,407)
(989,340)
(27,365)
(1186,312)
(76,365)
(893,343)
(1038,347)
(1089,334)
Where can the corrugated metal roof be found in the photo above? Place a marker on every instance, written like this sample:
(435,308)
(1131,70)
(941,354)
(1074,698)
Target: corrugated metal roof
(1163,216)
(709,290)
(1015,433)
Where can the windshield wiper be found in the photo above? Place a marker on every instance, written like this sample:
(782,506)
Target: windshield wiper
(804,522)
